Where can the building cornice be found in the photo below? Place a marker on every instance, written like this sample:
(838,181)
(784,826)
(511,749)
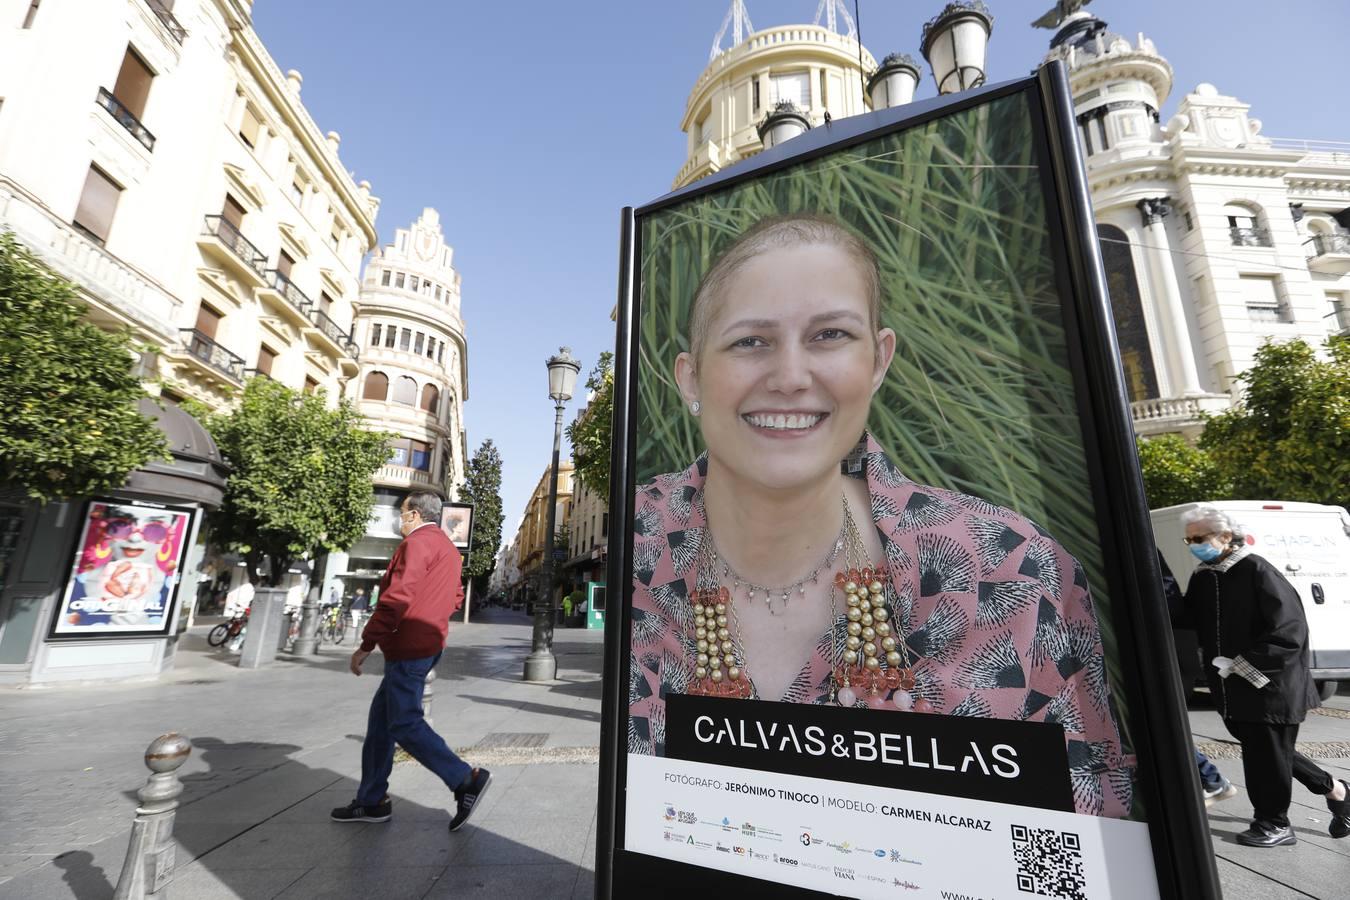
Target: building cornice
(1245,162)
(254,56)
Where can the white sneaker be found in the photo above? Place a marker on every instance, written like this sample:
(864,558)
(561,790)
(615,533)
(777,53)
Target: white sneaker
(1225,791)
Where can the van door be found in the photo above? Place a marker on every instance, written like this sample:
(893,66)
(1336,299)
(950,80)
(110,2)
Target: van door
(1312,550)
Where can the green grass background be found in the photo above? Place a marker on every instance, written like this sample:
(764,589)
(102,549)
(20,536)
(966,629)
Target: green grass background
(979,398)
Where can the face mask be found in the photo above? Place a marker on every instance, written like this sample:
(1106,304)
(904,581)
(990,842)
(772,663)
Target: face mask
(1205,552)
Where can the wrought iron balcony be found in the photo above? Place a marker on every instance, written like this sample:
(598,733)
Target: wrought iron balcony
(167,19)
(286,288)
(330,330)
(203,348)
(1251,237)
(1330,253)
(125,118)
(224,230)
(1322,244)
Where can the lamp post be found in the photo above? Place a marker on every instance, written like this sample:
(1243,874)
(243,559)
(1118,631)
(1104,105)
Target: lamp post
(783,123)
(894,81)
(541,665)
(954,43)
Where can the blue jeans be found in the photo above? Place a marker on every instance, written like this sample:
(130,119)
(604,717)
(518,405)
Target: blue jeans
(1210,776)
(396,718)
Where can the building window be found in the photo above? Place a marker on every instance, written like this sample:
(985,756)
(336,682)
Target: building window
(440,353)
(31,14)
(375,334)
(1338,319)
(233,212)
(405,391)
(1127,309)
(417,343)
(430,397)
(376,387)
(250,127)
(390,334)
(398,453)
(398,280)
(824,92)
(1245,228)
(412,283)
(311,386)
(1261,293)
(325,303)
(431,348)
(98,202)
(419,455)
(794,86)
(438,292)
(266,356)
(754,89)
(285,263)
(132,87)
(208,321)
(404,339)
(1101,133)
(385,277)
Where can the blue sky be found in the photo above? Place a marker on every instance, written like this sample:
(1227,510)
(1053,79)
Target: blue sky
(529,124)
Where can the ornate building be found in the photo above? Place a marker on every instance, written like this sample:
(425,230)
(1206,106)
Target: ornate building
(413,381)
(1215,237)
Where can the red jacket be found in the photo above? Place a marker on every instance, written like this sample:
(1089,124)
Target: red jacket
(419,593)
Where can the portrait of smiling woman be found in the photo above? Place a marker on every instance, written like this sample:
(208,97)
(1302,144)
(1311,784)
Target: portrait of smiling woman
(794,561)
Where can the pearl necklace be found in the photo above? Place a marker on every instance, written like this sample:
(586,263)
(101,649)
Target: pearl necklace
(873,660)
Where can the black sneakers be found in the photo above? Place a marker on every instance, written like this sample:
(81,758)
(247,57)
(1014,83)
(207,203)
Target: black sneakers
(468,796)
(1340,814)
(1263,834)
(355,812)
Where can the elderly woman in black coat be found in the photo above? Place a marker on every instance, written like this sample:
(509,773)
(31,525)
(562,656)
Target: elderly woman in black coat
(1252,629)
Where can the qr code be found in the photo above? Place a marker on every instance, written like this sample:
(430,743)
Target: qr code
(1049,863)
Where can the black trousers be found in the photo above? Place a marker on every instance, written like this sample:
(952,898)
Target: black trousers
(1270,763)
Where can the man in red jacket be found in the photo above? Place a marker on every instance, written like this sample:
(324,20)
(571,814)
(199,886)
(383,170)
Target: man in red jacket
(419,593)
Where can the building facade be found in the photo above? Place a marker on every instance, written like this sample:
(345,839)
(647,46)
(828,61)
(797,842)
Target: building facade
(1215,237)
(154,154)
(528,545)
(412,382)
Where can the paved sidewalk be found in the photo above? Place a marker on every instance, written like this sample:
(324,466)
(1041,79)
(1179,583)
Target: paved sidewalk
(275,749)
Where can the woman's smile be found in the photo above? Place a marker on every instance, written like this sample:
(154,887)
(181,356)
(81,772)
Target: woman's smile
(784,424)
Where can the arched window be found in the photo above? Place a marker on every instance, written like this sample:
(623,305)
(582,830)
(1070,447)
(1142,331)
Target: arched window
(405,391)
(1136,357)
(1245,227)
(430,397)
(377,386)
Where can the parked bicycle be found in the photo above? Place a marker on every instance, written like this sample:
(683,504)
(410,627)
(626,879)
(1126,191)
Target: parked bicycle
(227,630)
(333,625)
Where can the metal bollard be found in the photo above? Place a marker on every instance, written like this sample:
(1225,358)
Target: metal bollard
(148,867)
(427,693)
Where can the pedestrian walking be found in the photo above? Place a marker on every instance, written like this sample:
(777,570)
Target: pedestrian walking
(419,593)
(360,606)
(1251,626)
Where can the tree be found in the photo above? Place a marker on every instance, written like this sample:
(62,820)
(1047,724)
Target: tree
(1176,472)
(69,426)
(590,434)
(483,488)
(301,476)
(1289,439)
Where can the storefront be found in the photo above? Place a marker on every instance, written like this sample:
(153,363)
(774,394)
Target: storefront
(95,589)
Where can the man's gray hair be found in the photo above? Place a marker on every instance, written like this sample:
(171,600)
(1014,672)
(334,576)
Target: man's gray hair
(1215,520)
(426,504)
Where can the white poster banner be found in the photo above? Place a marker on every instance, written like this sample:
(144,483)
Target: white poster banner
(867,841)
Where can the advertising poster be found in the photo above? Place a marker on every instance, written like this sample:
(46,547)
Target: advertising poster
(871,633)
(125,576)
(457,523)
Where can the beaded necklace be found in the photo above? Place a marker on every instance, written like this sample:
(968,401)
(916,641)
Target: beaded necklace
(873,658)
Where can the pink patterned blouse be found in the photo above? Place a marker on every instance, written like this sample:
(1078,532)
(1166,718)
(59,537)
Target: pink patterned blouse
(997,614)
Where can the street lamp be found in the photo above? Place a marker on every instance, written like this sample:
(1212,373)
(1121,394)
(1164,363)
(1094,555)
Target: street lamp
(541,665)
(894,81)
(783,123)
(954,43)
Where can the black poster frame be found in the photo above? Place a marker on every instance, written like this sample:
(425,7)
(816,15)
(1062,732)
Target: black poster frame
(1168,781)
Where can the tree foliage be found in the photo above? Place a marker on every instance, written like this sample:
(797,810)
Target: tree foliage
(483,488)
(1176,472)
(69,426)
(1289,439)
(301,477)
(590,434)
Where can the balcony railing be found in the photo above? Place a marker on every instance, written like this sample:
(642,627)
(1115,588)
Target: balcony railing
(330,330)
(222,228)
(125,118)
(286,288)
(1322,244)
(1251,237)
(203,348)
(258,373)
(167,19)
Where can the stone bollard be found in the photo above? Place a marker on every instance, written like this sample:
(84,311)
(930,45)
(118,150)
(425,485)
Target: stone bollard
(427,693)
(148,867)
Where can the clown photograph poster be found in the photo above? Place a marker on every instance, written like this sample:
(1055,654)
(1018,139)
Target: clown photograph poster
(125,576)
(873,627)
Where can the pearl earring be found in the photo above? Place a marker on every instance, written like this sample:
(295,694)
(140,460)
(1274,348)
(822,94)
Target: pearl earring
(695,407)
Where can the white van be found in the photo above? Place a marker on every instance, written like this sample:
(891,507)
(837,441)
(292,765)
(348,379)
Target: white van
(1310,544)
